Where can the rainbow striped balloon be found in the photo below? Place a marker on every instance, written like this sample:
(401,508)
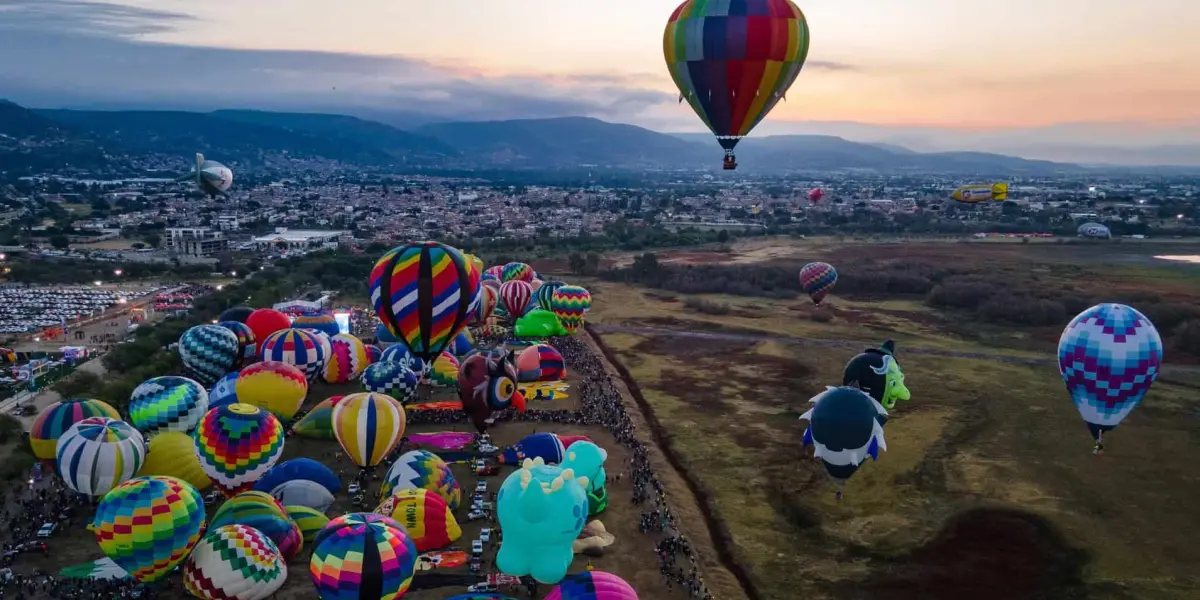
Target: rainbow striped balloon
(423,293)
(570,303)
(362,556)
(236,444)
(273,386)
(99,453)
(295,347)
(368,426)
(444,373)
(56,419)
(817,280)
(516,271)
(347,359)
(263,512)
(515,297)
(247,343)
(148,525)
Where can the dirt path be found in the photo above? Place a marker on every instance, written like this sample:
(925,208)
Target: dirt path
(694,509)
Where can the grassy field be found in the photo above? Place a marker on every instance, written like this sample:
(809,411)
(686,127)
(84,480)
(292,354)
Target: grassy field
(988,488)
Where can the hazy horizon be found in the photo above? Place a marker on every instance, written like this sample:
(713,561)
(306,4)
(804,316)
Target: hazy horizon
(1025,77)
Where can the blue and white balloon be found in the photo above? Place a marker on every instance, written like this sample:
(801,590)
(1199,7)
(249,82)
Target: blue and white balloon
(209,352)
(844,428)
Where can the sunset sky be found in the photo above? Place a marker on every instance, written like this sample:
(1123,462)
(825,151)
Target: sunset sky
(949,63)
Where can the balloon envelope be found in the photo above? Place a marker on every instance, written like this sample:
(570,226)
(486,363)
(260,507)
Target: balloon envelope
(423,293)
(148,525)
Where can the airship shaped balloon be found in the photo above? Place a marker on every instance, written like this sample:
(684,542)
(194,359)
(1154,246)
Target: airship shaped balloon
(844,429)
(211,177)
(1109,356)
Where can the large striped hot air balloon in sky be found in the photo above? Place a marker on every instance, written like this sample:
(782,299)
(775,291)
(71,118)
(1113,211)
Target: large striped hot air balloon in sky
(734,60)
(99,453)
(1109,355)
(148,525)
(423,293)
(368,426)
(362,556)
(236,444)
(56,419)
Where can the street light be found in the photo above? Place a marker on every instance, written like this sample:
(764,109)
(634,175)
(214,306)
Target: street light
(99,283)
(118,272)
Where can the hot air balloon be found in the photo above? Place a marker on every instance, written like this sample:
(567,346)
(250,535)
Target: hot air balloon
(167,404)
(325,323)
(444,373)
(844,428)
(274,386)
(571,303)
(368,426)
(224,392)
(733,68)
(208,352)
(173,454)
(99,453)
(463,344)
(56,419)
(817,280)
(299,468)
(309,520)
(425,517)
(373,355)
(393,379)
(494,271)
(544,294)
(425,470)
(295,347)
(488,383)
(318,423)
(488,297)
(399,354)
(148,525)
(265,321)
(1109,356)
(247,343)
(302,492)
(234,562)
(592,585)
(540,362)
(237,313)
(515,296)
(362,556)
(346,360)
(516,271)
(236,444)
(815,195)
(264,513)
(423,293)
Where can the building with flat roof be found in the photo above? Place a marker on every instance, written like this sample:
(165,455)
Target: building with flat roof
(196,241)
(300,239)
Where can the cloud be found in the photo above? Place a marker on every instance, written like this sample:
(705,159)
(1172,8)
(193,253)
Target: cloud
(71,52)
(830,65)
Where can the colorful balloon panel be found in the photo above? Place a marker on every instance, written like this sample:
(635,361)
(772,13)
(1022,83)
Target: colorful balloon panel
(391,378)
(420,469)
(262,512)
(422,292)
(361,556)
(318,423)
(425,517)
(545,293)
(324,323)
(516,271)
(399,354)
(236,444)
(1109,355)
(368,426)
(295,347)
(148,525)
(247,343)
(208,352)
(592,585)
(347,359)
(56,419)
(570,303)
(309,520)
(444,373)
(733,61)
(273,386)
(817,280)
(234,562)
(167,404)
(99,453)
(173,454)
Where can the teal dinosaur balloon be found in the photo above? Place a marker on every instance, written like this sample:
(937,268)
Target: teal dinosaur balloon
(541,509)
(587,459)
(539,324)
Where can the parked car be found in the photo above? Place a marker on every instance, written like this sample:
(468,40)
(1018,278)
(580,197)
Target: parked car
(354,489)
(47,530)
(475,515)
(481,486)
(485,535)
(476,547)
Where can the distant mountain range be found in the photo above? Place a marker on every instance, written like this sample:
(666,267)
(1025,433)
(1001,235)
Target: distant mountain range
(37,139)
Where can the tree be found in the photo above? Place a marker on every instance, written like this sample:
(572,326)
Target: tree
(577,263)
(60,241)
(723,236)
(80,384)
(152,239)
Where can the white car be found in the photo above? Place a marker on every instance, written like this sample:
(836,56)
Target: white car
(475,515)
(481,487)
(477,547)
(47,530)
(481,588)
(354,489)
(485,535)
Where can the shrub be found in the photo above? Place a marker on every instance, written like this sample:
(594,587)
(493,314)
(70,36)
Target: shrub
(707,307)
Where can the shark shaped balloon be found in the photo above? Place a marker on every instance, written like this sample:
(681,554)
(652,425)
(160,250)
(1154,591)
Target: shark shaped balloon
(844,429)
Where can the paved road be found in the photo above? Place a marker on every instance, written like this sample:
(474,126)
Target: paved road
(851,344)
(46,396)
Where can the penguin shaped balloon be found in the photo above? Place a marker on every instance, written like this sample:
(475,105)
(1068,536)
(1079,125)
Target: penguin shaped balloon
(844,429)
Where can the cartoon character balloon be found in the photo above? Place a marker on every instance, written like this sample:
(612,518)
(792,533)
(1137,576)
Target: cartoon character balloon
(362,556)
(733,68)
(817,280)
(167,404)
(587,459)
(423,293)
(368,426)
(209,352)
(541,509)
(236,444)
(148,525)
(1109,355)
(844,429)
(234,562)
(98,453)
(877,373)
(488,383)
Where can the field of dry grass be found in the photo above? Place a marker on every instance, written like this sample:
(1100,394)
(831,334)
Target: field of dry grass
(988,488)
